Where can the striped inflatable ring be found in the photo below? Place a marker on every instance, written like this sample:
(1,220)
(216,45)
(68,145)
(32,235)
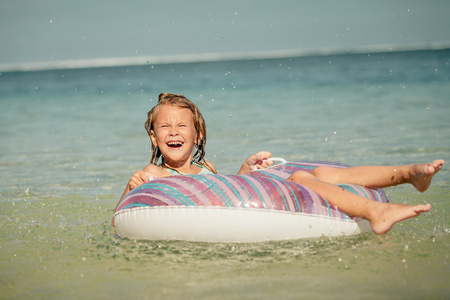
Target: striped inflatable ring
(258,206)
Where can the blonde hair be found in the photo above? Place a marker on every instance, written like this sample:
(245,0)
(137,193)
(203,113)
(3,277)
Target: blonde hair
(199,124)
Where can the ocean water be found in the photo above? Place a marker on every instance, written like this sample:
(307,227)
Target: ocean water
(71,138)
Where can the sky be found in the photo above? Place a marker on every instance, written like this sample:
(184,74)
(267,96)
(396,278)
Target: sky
(61,30)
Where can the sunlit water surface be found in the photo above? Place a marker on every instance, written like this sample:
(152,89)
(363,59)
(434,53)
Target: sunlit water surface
(72,138)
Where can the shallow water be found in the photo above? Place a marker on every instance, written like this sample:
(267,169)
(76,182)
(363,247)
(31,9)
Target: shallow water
(72,138)
(64,248)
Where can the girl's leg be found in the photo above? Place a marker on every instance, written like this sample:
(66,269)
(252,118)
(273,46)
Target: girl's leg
(419,175)
(382,216)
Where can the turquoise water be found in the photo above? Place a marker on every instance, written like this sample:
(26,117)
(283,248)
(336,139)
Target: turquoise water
(72,138)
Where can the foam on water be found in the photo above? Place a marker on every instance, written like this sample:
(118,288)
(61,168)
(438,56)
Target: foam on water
(215,57)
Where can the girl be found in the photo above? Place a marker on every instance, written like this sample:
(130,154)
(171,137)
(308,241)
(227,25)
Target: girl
(177,131)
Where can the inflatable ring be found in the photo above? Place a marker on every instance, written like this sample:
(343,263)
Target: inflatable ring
(258,206)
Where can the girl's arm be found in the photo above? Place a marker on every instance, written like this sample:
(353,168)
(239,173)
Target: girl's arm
(258,160)
(138,178)
(142,176)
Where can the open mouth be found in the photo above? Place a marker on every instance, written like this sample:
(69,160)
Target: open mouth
(174,145)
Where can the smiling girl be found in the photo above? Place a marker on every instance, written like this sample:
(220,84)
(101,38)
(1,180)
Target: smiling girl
(177,131)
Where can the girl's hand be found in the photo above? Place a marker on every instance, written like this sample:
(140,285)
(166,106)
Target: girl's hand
(258,160)
(139,178)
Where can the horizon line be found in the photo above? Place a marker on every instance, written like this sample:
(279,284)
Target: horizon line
(216,57)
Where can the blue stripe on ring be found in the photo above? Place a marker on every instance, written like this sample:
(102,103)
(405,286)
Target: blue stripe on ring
(132,205)
(171,191)
(214,187)
(375,192)
(295,195)
(254,187)
(329,207)
(230,186)
(281,193)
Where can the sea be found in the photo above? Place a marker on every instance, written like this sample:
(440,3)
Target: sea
(71,139)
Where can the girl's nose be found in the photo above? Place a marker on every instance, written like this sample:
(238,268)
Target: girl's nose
(173,132)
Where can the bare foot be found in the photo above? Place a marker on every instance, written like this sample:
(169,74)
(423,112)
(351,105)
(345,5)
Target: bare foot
(422,174)
(390,214)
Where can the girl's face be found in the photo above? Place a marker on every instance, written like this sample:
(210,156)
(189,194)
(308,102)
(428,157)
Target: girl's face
(175,135)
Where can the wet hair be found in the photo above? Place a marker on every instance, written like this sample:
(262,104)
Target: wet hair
(199,124)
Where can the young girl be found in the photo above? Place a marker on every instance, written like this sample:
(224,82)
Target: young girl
(177,131)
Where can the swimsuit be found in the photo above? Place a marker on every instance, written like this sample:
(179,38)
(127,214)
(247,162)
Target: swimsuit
(203,171)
